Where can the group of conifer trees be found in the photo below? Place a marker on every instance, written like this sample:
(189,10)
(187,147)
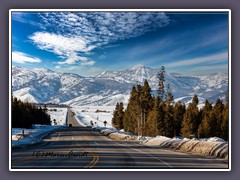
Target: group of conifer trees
(147,115)
(24,115)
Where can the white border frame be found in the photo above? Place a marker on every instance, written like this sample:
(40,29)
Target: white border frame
(117,10)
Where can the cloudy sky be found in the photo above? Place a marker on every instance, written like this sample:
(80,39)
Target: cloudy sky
(88,43)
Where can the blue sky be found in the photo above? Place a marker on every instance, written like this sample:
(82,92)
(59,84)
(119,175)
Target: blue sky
(88,43)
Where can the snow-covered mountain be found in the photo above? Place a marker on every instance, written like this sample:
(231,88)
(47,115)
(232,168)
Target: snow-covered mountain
(43,85)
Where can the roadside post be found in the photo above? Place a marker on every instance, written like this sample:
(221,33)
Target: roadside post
(105,123)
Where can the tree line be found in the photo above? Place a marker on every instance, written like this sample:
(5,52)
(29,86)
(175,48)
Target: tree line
(147,115)
(24,115)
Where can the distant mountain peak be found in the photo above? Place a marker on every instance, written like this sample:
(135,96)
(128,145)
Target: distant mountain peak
(43,69)
(139,66)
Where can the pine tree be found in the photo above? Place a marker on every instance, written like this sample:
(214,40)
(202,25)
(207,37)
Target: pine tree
(117,120)
(195,100)
(179,110)
(115,116)
(169,121)
(197,120)
(161,80)
(212,123)
(207,126)
(191,118)
(131,115)
(151,125)
(225,123)
(161,125)
(146,102)
(120,115)
(169,98)
(218,114)
(24,115)
(169,114)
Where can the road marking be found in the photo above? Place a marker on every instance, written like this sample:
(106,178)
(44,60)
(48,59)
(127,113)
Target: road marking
(58,136)
(96,161)
(88,138)
(93,162)
(149,155)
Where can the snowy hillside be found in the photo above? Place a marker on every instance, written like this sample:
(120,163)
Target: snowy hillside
(43,85)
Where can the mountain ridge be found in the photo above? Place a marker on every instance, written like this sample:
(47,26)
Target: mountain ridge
(43,86)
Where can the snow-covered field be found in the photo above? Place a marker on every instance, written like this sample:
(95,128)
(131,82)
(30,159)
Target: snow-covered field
(34,135)
(59,114)
(96,114)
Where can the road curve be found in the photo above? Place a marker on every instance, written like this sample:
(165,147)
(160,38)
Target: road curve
(83,148)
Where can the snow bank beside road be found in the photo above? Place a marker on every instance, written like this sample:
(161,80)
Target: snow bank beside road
(212,146)
(31,136)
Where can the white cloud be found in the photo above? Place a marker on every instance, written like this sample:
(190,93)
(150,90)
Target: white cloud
(22,58)
(66,47)
(104,27)
(74,33)
(72,59)
(208,59)
(57,67)
(59,44)
(88,63)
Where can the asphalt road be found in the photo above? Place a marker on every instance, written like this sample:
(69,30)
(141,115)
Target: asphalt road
(83,148)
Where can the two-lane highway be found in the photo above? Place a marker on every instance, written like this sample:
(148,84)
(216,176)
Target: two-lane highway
(79,147)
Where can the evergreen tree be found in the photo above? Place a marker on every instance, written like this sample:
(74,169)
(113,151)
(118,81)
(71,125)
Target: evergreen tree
(161,125)
(131,115)
(207,126)
(115,116)
(117,120)
(179,110)
(225,123)
(151,125)
(120,115)
(169,121)
(218,114)
(169,114)
(191,118)
(195,99)
(24,115)
(146,102)
(161,80)
(197,120)
(169,98)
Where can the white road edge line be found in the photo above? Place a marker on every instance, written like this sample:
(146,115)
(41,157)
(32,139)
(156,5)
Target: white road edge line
(149,155)
(58,136)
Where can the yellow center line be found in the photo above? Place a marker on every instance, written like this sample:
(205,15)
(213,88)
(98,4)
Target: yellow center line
(93,162)
(58,136)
